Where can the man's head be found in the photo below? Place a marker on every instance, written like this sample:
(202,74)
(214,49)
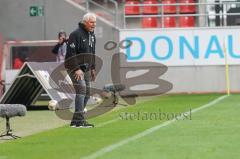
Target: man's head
(89,21)
(62,36)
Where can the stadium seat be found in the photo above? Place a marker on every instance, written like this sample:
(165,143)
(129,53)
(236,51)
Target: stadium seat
(186,8)
(169,8)
(132,10)
(150,9)
(149,22)
(17,63)
(169,22)
(186,21)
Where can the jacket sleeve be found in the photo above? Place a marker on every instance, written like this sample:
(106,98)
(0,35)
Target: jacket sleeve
(55,49)
(71,61)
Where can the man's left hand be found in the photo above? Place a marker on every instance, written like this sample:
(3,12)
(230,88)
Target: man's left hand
(93,74)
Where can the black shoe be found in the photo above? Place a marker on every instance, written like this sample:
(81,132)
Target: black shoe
(73,124)
(84,124)
(88,124)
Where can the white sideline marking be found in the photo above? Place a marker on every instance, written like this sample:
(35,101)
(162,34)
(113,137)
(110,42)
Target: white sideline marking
(107,122)
(148,131)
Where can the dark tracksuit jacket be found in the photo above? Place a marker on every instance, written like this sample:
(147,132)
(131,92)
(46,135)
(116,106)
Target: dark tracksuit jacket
(82,43)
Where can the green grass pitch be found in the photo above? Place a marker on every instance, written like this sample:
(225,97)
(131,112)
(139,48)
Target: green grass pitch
(206,134)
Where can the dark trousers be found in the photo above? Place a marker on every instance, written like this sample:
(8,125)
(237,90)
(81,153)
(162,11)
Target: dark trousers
(82,89)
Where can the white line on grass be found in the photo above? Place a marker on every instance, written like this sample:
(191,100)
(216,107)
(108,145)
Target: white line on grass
(107,122)
(148,131)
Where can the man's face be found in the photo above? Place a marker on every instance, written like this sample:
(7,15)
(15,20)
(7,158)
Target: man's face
(62,37)
(90,24)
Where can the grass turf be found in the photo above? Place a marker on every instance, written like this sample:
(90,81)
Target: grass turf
(183,139)
(212,133)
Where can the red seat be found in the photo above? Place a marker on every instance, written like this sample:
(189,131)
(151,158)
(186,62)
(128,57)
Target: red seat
(149,22)
(169,8)
(17,64)
(187,8)
(150,9)
(186,21)
(169,22)
(130,10)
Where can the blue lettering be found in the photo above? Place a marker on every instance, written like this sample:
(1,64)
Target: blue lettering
(218,50)
(170,48)
(194,51)
(230,47)
(142,45)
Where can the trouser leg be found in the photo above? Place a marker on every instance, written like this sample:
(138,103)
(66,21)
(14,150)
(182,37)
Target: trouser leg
(80,89)
(87,83)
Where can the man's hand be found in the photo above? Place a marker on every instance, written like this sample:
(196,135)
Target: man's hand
(79,75)
(93,74)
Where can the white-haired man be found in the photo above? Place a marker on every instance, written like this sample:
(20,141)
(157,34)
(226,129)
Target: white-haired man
(80,65)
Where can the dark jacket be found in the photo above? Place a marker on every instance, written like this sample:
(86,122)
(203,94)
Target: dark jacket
(56,47)
(80,50)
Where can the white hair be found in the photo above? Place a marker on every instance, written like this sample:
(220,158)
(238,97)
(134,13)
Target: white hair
(88,16)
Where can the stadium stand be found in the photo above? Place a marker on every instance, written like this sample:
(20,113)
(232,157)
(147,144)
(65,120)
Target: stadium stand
(186,21)
(149,22)
(133,9)
(185,7)
(169,9)
(150,9)
(169,22)
(169,13)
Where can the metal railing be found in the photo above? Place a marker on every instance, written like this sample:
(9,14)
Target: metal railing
(112,13)
(207,17)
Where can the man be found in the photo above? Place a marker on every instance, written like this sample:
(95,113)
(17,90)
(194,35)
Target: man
(60,48)
(80,65)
